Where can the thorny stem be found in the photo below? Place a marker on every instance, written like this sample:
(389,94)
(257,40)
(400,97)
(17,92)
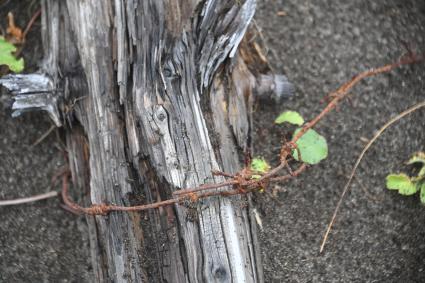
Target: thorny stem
(242,181)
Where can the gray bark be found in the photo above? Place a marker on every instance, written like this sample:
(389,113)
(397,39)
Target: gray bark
(154,96)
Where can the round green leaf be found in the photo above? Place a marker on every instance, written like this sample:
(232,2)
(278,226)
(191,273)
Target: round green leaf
(312,147)
(402,183)
(7,58)
(291,117)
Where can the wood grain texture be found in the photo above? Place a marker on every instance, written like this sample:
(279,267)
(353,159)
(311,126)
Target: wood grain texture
(154,96)
(170,100)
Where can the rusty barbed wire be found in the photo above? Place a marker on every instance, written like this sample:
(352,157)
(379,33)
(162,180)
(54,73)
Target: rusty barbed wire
(242,182)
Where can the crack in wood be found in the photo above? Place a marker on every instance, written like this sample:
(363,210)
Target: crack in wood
(166,90)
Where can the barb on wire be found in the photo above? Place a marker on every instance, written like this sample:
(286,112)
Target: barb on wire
(242,182)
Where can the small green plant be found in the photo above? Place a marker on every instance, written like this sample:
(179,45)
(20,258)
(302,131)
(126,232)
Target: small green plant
(259,165)
(7,58)
(290,117)
(406,185)
(312,147)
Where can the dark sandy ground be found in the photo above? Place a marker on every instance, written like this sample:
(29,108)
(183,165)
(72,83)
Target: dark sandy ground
(39,242)
(319,44)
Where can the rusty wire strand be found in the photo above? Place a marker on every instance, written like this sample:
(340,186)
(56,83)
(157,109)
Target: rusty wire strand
(242,182)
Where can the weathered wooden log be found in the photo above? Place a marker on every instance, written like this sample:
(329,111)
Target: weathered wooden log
(32,92)
(154,96)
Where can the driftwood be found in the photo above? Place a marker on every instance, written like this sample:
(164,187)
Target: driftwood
(154,95)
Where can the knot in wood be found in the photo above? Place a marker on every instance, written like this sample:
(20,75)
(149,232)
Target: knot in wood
(220,274)
(167,73)
(160,114)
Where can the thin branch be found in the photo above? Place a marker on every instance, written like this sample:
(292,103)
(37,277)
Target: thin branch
(30,23)
(28,199)
(359,159)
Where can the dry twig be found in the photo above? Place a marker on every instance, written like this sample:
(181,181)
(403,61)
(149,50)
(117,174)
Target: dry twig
(30,23)
(45,135)
(359,159)
(28,199)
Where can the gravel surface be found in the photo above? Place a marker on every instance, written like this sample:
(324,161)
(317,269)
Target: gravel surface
(319,45)
(39,242)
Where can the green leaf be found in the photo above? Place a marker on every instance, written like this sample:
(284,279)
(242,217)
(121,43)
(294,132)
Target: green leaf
(422,193)
(7,58)
(259,165)
(402,183)
(421,173)
(290,117)
(312,146)
(418,157)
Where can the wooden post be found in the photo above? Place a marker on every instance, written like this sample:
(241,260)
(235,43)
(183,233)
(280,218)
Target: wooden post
(154,95)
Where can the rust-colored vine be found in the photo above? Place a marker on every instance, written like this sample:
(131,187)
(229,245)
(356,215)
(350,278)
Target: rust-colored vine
(242,182)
